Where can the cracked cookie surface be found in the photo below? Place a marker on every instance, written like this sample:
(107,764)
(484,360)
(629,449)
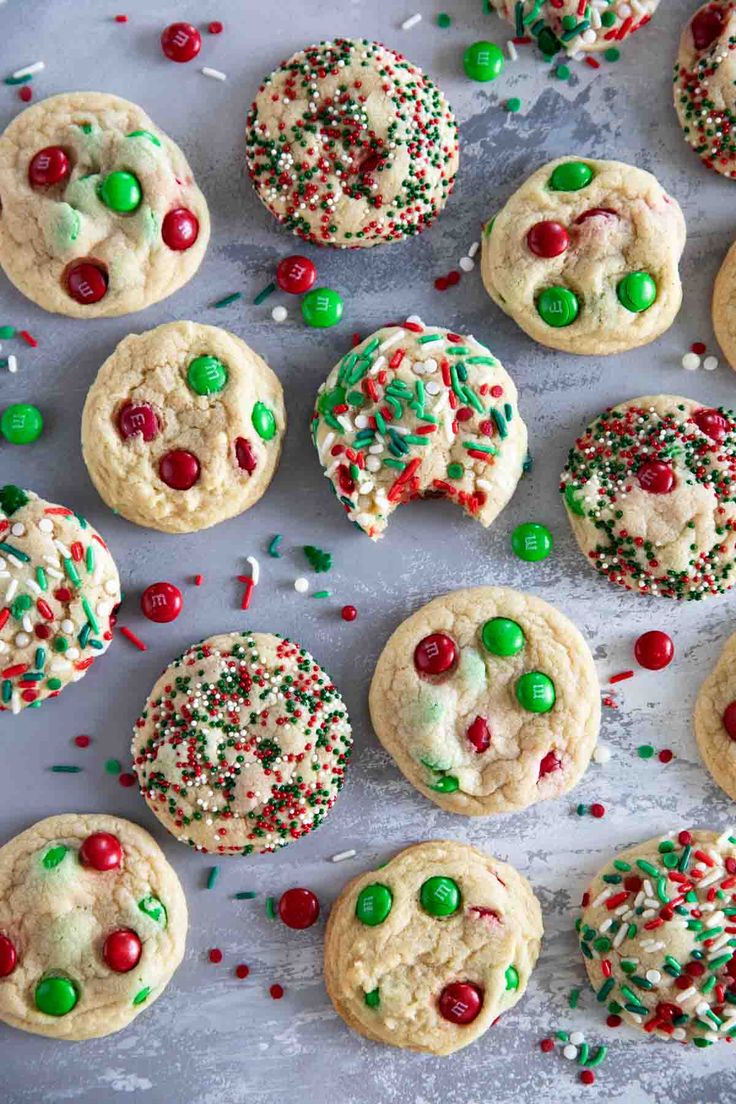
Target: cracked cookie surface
(488,700)
(705,75)
(427,951)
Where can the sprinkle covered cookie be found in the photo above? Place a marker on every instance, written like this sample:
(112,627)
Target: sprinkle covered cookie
(92,926)
(488,700)
(574,26)
(648,491)
(349,144)
(723,307)
(183,427)
(705,76)
(415,411)
(715,720)
(430,949)
(58,589)
(657,936)
(101,215)
(584,256)
(242,745)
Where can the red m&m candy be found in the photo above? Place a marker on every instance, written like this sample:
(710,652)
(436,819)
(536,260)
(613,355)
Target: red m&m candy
(138,418)
(161,602)
(245,455)
(49,166)
(122,950)
(86,282)
(656,476)
(460,1002)
(712,423)
(729,719)
(654,650)
(181,42)
(101,851)
(705,27)
(435,654)
(296,274)
(179,469)
(298,908)
(8,956)
(479,734)
(180,229)
(596,212)
(548,239)
(548,764)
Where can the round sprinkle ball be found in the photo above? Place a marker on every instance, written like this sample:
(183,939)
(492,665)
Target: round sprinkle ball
(483,61)
(21,424)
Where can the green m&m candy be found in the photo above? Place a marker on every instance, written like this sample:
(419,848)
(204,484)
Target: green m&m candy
(155,909)
(535,692)
(573,496)
(502,637)
(483,61)
(206,375)
(571,176)
(374,904)
(55,996)
(558,306)
(373,999)
(637,292)
(21,424)
(54,856)
(440,896)
(121,191)
(447,784)
(263,421)
(328,400)
(322,308)
(531,541)
(512,978)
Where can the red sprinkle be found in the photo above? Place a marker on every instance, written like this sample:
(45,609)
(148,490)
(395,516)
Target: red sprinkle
(198,580)
(441,283)
(215,27)
(598,810)
(28,338)
(356,339)
(121,19)
(621,676)
(127,780)
(248,592)
(592,62)
(587,1077)
(348,613)
(613,1020)
(25,93)
(665,755)
(130,635)
(276,991)
(82,741)
(698,347)
(547,1045)
(242,970)
(215,955)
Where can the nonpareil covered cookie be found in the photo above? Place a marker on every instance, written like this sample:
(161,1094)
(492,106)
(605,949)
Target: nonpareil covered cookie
(430,949)
(657,936)
(349,144)
(100,212)
(648,489)
(584,256)
(705,75)
(488,700)
(715,720)
(183,427)
(92,925)
(572,26)
(242,744)
(59,587)
(415,411)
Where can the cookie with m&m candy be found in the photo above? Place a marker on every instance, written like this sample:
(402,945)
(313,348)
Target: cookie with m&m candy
(704,79)
(715,719)
(417,411)
(656,935)
(648,490)
(350,145)
(183,427)
(59,589)
(575,27)
(584,256)
(427,952)
(93,922)
(488,700)
(242,744)
(101,214)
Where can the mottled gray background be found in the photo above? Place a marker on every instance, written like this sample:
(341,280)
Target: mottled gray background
(212,1038)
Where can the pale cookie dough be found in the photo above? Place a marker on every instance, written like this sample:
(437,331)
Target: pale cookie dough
(584,256)
(348,144)
(705,76)
(559,25)
(63,161)
(715,720)
(242,744)
(183,427)
(488,700)
(93,922)
(429,950)
(648,492)
(656,935)
(59,587)
(416,411)
(723,307)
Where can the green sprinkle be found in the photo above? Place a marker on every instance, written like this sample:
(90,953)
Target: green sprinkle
(583,1052)
(9,550)
(141,995)
(573,999)
(270,908)
(428,337)
(319,560)
(113,766)
(605,989)
(513,104)
(443,20)
(372,999)
(645,751)
(476,446)
(213,876)
(63,768)
(54,856)
(647,867)
(268,290)
(90,616)
(598,1057)
(273,547)
(72,571)
(7,332)
(246,895)
(19,80)
(612,54)
(322,594)
(562,72)
(228,299)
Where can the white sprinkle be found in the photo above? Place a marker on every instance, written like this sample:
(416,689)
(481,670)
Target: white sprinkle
(29,70)
(342,855)
(279,314)
(570,1052)
(602,897)
(411,22)
(601,754)
(394,339)
(710,363)
(12,363)
(654,976)
(691,362)
(415,319)
(301,585)
(22,640)
(576,1038)
(467,264)
(511,51)
(474,249)
(214,73)
(255,569)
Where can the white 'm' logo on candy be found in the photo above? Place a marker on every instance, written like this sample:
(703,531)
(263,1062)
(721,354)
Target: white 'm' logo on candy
(138,419)
(432,650)
(181,37)
(459,1008)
